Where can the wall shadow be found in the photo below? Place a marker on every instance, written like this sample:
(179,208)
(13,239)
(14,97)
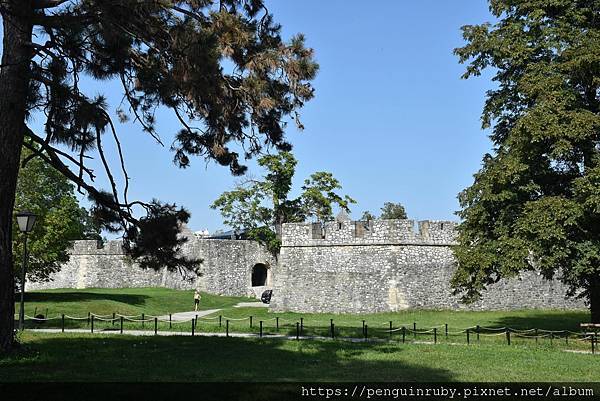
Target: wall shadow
(82,296)
(569,320)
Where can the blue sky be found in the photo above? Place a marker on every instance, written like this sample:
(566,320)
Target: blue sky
(391,119)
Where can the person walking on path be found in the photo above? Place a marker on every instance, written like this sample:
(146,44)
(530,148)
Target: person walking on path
(196,299)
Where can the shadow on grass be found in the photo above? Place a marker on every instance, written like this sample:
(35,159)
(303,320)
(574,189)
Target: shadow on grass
(201,359)
(546,320)
(132,299)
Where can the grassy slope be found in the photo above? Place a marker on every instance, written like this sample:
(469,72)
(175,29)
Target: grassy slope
(161,301)
(125,358)
(127,301)
(71,357)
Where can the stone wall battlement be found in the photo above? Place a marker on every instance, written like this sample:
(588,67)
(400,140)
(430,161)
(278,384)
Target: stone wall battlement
(339,267)
(93,247)
(374,232)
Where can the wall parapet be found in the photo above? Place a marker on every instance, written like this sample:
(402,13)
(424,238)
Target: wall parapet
(374,232)
(94,247)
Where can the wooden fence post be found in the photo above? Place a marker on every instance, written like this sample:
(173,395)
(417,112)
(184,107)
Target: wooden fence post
(63,323)
(277,322)
(468,340)
(121,324)
(227,327)
(193,327)
(508,336)
(92,323)
(446,329)
(155,325)
(390,330)
(415,330)
(261,329)
(297,330)
(435,335)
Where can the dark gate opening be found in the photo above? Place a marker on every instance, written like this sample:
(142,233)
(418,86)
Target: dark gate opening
(259,275)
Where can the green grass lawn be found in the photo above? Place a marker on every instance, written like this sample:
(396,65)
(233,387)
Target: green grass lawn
(85,357)
(126,301)
(162,301)
(108,357)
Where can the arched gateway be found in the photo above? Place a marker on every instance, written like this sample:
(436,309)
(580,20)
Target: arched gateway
(260,273)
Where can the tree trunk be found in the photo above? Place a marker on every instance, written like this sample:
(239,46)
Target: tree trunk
(14,82)
(594,294)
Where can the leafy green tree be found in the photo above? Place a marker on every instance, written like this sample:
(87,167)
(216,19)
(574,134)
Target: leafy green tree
(220,68)
(318,197)
(391,211)
(60,220)
(367,216)
(261,206)
(535,203)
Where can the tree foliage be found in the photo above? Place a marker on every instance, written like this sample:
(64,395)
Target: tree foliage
(535,203)
(367,216)
(391,211)
(59,219)
(261,206)
(222,68)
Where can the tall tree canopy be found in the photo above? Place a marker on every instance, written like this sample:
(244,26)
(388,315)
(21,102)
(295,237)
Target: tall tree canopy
(367,216)
(389,211)
(261,206)
(220,67)
(535,203)
(59,219)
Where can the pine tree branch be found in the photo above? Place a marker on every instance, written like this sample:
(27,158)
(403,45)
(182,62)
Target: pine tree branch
(48,148)
(109,174)
(129,96)
(51,157)
(43,4)
(121,158)
(62,20)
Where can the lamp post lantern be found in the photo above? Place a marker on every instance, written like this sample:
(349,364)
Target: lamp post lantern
(25,221)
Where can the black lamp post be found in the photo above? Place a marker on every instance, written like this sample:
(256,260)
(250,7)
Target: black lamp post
(26,221)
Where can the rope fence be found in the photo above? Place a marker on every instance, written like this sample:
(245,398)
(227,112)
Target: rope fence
(298,329)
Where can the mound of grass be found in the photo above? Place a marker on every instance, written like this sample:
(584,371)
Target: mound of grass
(126,301)
(162,301)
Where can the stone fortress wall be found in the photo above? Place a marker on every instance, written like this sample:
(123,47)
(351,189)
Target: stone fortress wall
(341,266)
(226,268)
(387,265)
